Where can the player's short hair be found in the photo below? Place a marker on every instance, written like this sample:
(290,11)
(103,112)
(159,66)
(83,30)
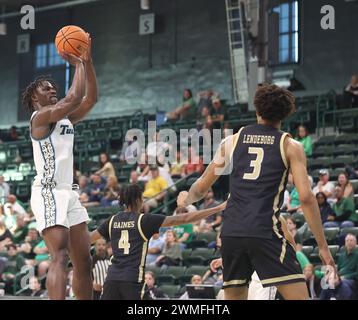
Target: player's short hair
(130,195)
(273,103)
(31,88)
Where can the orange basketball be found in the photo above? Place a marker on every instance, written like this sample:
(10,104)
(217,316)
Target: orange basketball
(71,39)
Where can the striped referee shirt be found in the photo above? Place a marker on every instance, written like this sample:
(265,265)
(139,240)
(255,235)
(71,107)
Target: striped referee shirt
(100,268)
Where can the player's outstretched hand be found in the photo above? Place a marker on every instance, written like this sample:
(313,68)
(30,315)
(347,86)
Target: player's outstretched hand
(181,200)
(70,58)
(86,55)
(328,261)
(216,264)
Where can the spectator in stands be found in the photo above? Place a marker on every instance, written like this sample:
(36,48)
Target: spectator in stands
(133,178)
(13,266)
(100,264)
(345,283)
(131,150)
(194,165)
(313,283)
(155,248)
(205,99)
(213,277)
(184,232)
(11,209)
(28,246)
(6,237)
(325,186)
(154,188)
(195,280)
(217,114)
(4,190)
(187,111)
(177,166)
(14,204)
(294,204)
(96,188)
(83,185)
(85,201)
(346,185)
(204,119)
(344,209)
(111,192)
(292,227)
(324,207)
(35,289)
(164,172)
(350,95)
(211,223)
(12,135)
(151,291)
(305,139)
(42,258)
(21,228)
(106,166)
(171,255)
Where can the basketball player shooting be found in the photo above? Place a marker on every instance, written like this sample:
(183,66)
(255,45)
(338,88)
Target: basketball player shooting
(59,215)
(252,238)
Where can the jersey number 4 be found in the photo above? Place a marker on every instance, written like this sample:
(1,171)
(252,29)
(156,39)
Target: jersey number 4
(256,164)
(123,242)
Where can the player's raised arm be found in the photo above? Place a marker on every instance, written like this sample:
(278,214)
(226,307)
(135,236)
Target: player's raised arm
(191,216)
(91,91)
(216,168)
(297,160)
(70,102)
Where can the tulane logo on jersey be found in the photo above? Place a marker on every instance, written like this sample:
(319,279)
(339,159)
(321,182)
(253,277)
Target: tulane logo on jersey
(66,129)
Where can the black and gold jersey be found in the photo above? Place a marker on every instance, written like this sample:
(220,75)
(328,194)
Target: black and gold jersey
(129,234)
(257,183)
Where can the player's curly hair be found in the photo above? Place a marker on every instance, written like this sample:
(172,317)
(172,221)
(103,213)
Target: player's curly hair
(31,88)
(273,103)
(130,195)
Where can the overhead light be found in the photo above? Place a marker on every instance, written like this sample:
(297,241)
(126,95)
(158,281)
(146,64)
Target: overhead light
(3,29)
(145,4)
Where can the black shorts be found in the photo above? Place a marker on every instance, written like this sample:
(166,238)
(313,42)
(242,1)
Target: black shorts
(274,260)
(122,290)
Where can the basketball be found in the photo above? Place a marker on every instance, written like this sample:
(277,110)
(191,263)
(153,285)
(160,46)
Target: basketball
(71,39)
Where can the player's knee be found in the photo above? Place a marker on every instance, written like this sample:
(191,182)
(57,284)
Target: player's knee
(83,262)
(60,257)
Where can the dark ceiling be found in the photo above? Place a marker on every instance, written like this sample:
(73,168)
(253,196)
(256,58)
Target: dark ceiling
(12,5)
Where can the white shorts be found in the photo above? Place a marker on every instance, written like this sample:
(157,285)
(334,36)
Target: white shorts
(55,206)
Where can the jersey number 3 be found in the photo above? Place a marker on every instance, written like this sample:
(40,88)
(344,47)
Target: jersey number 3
(123,242)
(256,164)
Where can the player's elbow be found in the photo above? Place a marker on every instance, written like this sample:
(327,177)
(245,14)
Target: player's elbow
(307,198)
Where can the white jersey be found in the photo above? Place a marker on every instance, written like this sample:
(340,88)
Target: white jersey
(53,155)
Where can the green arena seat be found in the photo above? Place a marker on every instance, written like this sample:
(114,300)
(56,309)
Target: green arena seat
(353,230)
(156,270)
(200,270)
(208,236)
(342,161)
(331,234)
(107,123)
(93,125)
(176,271)
(194,261)
(307,250)
(342,149)
(186,253)
(164,279)
(205,253)
(299,218)
(184,279)
(326,140)
(171,291)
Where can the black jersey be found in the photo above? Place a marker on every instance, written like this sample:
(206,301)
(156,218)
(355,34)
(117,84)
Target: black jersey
(257,183)
(129,233)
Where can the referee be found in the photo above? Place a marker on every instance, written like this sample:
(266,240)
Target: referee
(129,232)
(100,263)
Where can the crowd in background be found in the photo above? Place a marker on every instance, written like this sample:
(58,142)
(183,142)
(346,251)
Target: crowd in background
(22,246)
